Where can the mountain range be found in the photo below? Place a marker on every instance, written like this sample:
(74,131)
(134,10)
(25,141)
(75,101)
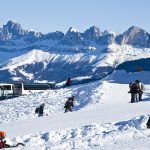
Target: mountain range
(12,34)
(30,56)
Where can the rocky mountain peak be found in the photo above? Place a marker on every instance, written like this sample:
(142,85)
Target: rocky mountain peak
(133,30)
(92,33)
(135,36)
(12,26)
(12,34)
(71,29)
(72,37)
(55,36)
(11,30)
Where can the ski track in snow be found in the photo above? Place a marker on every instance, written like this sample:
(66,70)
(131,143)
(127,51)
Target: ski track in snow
(103,117)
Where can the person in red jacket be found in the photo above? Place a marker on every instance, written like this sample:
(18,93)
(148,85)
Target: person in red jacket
(2,141)
(68,82)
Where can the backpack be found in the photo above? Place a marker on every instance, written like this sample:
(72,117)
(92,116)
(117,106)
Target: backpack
(142,88)
(134,87)
(69,103)
(36,110)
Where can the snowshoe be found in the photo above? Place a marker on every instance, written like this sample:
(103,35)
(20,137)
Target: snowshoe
(17,145)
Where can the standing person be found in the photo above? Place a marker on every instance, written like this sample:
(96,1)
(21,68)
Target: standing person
(148,123)
(69,104)
(134,90)
(141,89)
(41,110)
(68,82)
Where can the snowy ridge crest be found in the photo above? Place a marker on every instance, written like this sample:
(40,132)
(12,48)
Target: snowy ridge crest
(13,36)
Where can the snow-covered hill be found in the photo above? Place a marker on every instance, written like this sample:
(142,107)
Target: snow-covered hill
(103,117)
(38,65)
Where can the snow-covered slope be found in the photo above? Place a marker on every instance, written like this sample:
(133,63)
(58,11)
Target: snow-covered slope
(103,117)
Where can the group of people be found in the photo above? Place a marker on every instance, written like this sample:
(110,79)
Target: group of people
(69,104)
(136,90)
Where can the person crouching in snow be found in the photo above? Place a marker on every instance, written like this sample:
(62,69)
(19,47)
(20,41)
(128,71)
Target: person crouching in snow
(40,110)
(69,104)
(2,141)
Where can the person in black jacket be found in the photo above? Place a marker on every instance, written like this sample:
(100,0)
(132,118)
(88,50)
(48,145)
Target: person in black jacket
(69,104)
(134,90)
(148,123)
(41,110)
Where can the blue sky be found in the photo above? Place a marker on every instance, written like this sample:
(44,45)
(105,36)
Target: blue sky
(51,15)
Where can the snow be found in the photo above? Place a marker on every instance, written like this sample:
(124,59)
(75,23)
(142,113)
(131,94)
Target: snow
(91,61)
(73,30)
(39,56)
(103,117)
(115,55)
(105,32)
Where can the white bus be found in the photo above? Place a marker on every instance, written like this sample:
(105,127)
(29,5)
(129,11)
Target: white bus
(6,89)
(23,89)
(18,89)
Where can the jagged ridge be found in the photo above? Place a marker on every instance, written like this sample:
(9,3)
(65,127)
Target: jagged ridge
(13,35)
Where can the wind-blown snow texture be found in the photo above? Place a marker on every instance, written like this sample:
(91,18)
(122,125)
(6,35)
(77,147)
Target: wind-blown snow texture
(103,117)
